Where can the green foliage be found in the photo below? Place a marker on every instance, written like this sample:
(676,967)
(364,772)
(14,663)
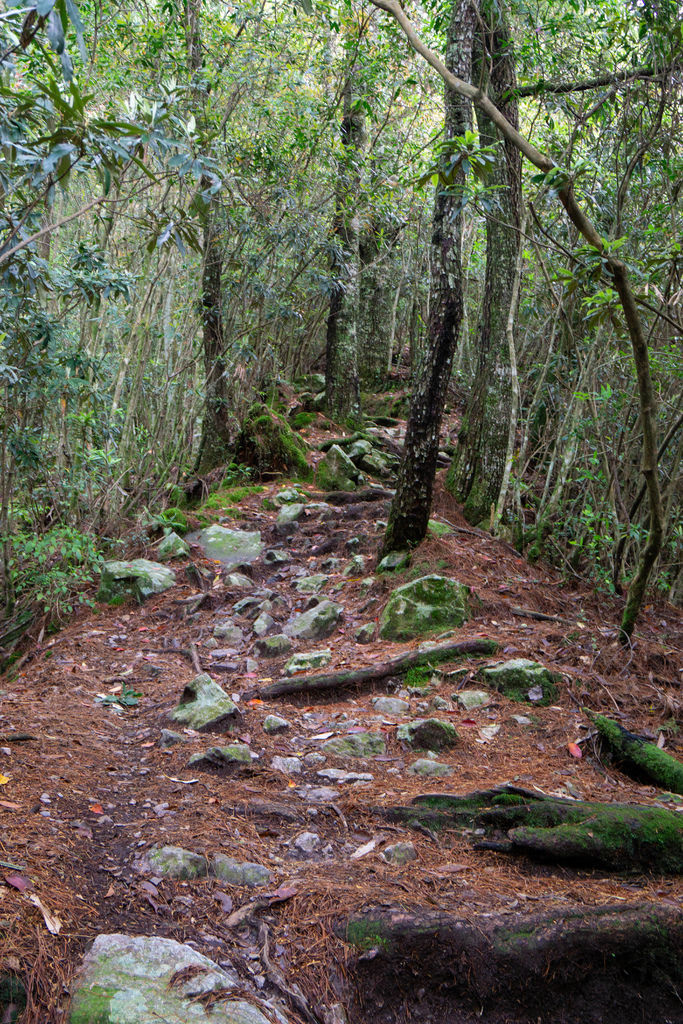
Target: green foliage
(54,569)
(129,697)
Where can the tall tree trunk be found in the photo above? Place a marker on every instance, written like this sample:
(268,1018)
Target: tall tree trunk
(409,513)
(375,319)
(342,388)
(478,468)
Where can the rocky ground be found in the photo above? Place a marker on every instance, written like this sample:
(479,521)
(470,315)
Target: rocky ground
(154,787)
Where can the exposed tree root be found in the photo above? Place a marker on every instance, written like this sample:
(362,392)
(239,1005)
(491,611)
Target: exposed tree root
(639,758)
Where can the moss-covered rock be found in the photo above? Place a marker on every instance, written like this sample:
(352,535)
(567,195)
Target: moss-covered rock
(428,733)
(522,680)
(336,471)
(172,546)
(204,706)
(234,755)
(175,862)
(423,606)
(230,547)
(639,758)
(316,623)
(139,579)
(237,872)
(269,445)
(356,744)
(129,979)
(273,646)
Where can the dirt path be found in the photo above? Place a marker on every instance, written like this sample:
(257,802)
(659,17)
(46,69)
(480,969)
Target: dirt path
(93,789)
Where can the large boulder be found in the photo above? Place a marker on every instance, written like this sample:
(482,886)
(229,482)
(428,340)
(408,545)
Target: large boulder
(316,623)
(204,706)
(139,579)
(336,472)
(131,979)
(229,547)
(427,605)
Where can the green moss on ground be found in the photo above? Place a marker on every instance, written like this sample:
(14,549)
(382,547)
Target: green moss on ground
(268,444)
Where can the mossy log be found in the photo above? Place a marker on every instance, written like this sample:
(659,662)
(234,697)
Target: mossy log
(352,497)
(396,666)
(602,962)
(639,758)
(619,837)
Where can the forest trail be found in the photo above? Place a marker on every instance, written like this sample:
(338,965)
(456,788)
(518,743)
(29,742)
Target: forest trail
(91,786)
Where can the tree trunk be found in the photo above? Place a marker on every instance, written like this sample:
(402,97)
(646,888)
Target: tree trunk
(342,388)
(478,468)
(410,508)
(375,310)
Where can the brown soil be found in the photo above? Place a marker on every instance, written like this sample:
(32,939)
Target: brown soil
(91,790)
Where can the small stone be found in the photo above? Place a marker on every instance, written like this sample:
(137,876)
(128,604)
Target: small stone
(287,496)
(356,567)
(336,472)
(438,529)
(276,557)
(356,744)
(352,543)
(238,581)
(239,873)
(248,605)
(263,623)
(174,862)
(287,519)
(139,579)
(365,634)
(307,843)
(471,699)
(172,546)
(399,853)
(426,766)
(428,733)
(318,794)
(338,775)
(390,705)
(522,719)
(211,643)
(314,759)
(251,665)
(230,547)
(394,561)
(235,755)
(307,660)
(331,564)
(316,623)
(286,765)
(311,584)
(522,680)
(441,704)
(169,738)
(228,630)
(273,725)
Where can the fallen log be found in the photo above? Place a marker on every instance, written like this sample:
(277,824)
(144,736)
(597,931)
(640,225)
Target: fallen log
(371,673)
(580,963)
(619,837)
(639,758)
(350,497)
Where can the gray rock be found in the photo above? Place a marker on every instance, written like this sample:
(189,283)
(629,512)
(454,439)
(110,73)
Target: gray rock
(248,605)
(307,660)
(394,561)
(428,733)
(288,496)
(399,853)
(139,578)
(336,472)
(425,766)
(273,724)
(287,519)
(441,704)
(314,759)
(311,584)
(204,706)
(238,581)
(172,546)
(307,842)
(424,606)
(228,631)
(169,738)
(471,699)
(126,979)
(318,794)
(356,744)
(174,862)
(273,646)
(263,623)
(356,566)
(522,680)
(237,872)
(234,755)
(339,776)
(275,557)
(286,765)
(316,623)
(522,719)
(331,564)
(229,547)
(391,705)
(365,634)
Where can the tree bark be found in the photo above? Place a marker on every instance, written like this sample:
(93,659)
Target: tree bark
(412,503)
(478,468)
(342,388)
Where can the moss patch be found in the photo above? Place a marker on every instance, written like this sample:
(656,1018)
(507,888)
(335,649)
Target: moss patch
(269,445)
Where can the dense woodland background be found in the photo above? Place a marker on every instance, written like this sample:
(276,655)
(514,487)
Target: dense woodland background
(203,205)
